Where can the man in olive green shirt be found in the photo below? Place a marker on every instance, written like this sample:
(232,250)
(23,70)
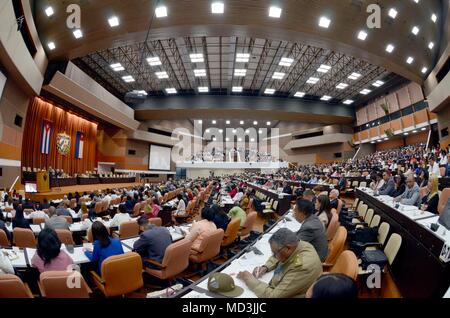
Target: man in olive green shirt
(296,267)
(237,212)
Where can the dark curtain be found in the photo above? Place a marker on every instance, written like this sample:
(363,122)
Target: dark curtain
(62,122)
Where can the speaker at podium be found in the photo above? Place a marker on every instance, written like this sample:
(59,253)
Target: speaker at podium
(43,181)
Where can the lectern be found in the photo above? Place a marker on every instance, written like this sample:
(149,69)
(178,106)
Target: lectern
(43,181)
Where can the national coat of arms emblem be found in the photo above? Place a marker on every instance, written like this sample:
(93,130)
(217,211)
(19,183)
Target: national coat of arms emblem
(63,143)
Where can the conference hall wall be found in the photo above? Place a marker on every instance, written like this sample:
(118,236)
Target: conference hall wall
(54,137)
(13,109)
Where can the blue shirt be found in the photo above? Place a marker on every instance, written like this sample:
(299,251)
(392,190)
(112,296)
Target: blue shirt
(101,253)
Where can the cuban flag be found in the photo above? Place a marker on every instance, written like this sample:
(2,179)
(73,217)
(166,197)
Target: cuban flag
(46,137)
(79,145)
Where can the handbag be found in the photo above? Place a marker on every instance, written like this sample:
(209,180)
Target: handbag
(375,257)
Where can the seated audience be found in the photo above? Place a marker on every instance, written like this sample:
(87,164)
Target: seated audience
(333,286)
(237,212)
(323,209)
(334,198)
(245,201)
(5,264)
(400,185)
(220,218)
(103,245)
(201,228)
(121,216)
(181,207)
(153,241)
(411,196)
(431,200)
(295,266)
(388,186)
(312,229)
(3,226)
(56,222)
(49,256)
(19,220)
(151,210)
(62,210)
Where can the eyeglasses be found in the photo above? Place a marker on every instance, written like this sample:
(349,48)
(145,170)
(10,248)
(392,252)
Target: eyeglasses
(279,251)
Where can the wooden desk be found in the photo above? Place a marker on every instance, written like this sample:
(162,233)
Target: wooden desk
(417,269)
(284,203)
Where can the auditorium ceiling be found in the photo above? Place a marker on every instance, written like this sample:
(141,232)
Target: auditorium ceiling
(244,50)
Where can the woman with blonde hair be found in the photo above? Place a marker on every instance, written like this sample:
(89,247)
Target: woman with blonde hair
(430,201)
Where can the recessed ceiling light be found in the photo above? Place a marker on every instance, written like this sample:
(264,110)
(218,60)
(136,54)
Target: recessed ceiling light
(269,91)
(410,60)
(386,139)
(324,22)
(214,139)
(372,142)
(260,131)
(415,30)
(162,74)
(365,91)
(312,80)
(77,34)
(154,61)
(203,89)
(239,139)
(247,131)
(221,131)
(325,98)
(242,57)
(324,68)
(214,122)
(348,102)
(274,12)
(423,129)
(113,21)
(393,13)
(200,73)
(207,131)
(434,18)
(286,61)
(268,123)
(196,57)
(128,78)
(278,75)
(51,45)
(406,134)
(49,11)
(227,139)
(234,131)
(414,131)
(424,70)
(252,139)
(390,48)
(161,12)
(117,67)
(362,35)
(241,122)
(378,84)
(354,76)
(240,72)
(171,90)
(236,89)
(227,122)
(255,123)
(431,45)
(200,121)
(342,86)
(299,94)
(217,7)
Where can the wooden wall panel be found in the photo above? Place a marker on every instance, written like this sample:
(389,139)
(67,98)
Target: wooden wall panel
(374,132)
(396,124)
(356,137)
(392,101)
(364,134)
(414,139)
(421,116)
(415,93)
(361,116)
(379,109)
(390,144)
(403,97)
(384,127)
(408,121)
(372,112)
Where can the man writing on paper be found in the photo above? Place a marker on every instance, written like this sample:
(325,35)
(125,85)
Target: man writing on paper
(295,266)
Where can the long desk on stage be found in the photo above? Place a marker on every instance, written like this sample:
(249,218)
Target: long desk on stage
(117,180)
(284,200)
(417,269)
(91,180)
(62,182)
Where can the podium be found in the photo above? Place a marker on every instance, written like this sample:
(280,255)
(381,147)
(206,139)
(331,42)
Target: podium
(42,181)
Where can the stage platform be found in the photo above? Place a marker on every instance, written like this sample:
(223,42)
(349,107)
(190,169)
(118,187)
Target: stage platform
(58,193)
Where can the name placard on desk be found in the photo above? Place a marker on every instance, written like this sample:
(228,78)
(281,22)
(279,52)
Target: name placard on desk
(445,254)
